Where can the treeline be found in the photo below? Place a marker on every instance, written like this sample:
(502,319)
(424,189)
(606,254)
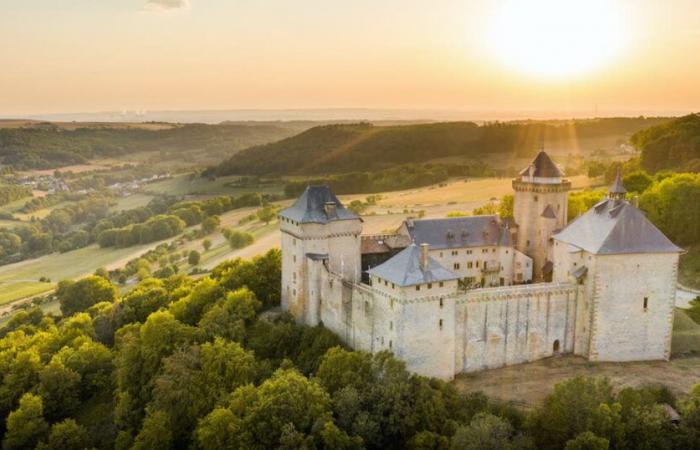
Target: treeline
(393,179)
(11,192)
(184,363)
(82,223)
(334,149)
(179,215)
(50,146)
(673,145)
(36,203)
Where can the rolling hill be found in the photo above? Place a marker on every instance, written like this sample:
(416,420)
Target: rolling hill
(342,148)
(672,145)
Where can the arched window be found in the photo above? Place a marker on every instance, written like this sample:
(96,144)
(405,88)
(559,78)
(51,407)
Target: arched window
(555,346)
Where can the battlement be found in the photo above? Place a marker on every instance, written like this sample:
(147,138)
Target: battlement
(525,186)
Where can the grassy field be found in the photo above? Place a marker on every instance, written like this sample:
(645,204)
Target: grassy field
(689,268)
(131,202)
(21,279)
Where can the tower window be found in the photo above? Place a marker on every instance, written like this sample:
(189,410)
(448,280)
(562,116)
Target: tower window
(294,258)
(441,324)
(527,243)
(390,343)
(646,303)
(535,198)
(430,285)
(418,287)
(442,284)
(456,266)
(441,303)
(391,325)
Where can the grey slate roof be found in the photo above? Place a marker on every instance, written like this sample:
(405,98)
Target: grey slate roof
(403,269)
(544,167)
(458,232)
(615,227)
(617,186)
(310,207)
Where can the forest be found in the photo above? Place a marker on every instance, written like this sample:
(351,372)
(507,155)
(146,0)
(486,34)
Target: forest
(674,145)
(341,148)
(194,363)
(49,146)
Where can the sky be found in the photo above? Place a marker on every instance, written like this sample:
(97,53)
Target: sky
(590,58)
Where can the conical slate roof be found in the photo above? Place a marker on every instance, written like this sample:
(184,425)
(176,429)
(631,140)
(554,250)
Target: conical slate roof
(615,227)
(617,186)
(310,207)
(544,167)
(404,269)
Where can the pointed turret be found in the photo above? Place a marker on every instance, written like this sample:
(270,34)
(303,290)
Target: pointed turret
(617,190)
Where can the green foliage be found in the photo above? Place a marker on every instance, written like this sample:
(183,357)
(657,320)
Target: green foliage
(156,433)
(391,179)
(238,239)
(26,425)
(193,258)
(51,146)
(77,296)
(671,145)
(262,275)
(206,244)
(484,431)
(637,181)
(266,214)
(343,148)
(210,224)
(11,192)
(580,202)
(66,435)
(587,441)
(672,205)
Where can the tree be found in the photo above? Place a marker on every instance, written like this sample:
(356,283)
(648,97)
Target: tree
(484,431)
(230,317)
(210,224)
(637,181)
(239,239)
(59,388)
(77,296)
(193,258)
(576,405)
(156,433)
(671,204)
(26,425)
(206,243)
(66,435)
(587,441)
(266,214)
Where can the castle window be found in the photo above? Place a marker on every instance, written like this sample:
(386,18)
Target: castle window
(484,250)
(430,285)
(390,343)
(506,252)
(382,340)
(477,264)
(470,265)
(455,252)
(646,303)
(442,284)
(469,252)
(535,198)
(386,283)
(456,266)
(391,303)
(366,308)
(441,324)
(392,285)
(527,243)
(418,287)
(391,325)
(441,303)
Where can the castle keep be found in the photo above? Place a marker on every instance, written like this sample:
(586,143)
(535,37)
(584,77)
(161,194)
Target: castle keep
(465,294)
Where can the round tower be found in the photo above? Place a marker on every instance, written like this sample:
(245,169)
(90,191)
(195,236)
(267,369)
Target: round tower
(539,210)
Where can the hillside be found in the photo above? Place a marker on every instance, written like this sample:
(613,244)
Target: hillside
(46,145)
(672,145)
(361,147)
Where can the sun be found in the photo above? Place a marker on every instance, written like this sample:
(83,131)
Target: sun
(555,38)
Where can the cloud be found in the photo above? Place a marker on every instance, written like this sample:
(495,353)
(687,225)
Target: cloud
(164,5)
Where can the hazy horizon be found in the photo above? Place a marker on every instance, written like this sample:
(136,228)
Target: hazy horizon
(538,59)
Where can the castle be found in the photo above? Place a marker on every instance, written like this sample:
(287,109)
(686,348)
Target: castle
(470,293)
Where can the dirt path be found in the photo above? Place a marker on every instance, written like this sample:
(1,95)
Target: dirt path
(528,384)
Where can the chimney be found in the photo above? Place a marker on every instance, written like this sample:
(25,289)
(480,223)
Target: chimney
(424,256)
(329,207)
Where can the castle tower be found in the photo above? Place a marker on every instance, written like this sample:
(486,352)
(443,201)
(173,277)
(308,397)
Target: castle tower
(627,269)
(319,238)
(539,210)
